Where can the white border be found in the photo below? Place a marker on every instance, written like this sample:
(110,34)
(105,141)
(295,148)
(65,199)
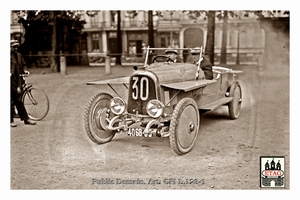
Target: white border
(154,5)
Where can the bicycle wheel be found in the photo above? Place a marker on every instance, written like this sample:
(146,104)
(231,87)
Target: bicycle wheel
(36,103)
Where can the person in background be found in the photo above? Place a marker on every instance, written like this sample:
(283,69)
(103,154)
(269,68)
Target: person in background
(15,87)
(205,65)
(172,55)
(21,66)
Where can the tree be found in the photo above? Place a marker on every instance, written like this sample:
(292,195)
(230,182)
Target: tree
(221,15)
(210,39)
(224,15)
(133,13)
(119,39)
(223,59)
(151,14)
(150,33)
(150,30)
(57,21)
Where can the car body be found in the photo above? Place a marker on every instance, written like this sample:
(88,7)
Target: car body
(164,99)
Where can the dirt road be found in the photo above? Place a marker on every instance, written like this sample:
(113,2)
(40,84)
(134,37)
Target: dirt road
(57,154)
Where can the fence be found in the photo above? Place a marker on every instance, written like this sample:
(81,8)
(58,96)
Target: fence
(44,59)
(99,59)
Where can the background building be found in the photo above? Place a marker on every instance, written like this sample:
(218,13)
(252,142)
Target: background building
(245,35)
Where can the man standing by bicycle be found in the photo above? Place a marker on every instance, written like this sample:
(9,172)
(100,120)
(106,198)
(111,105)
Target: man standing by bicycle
(20,66)
(16,85)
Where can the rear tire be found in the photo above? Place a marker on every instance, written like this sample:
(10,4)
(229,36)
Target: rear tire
(94,119)
(235,105)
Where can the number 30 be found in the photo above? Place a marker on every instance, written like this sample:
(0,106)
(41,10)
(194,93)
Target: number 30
(144,85)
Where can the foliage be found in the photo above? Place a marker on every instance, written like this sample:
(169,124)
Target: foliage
(196,14)
(92,13)
(67,17)
(41,27)
(133,13)
(260,14)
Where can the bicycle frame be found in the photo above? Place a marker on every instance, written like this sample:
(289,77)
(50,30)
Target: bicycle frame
(27,91)
(25,88)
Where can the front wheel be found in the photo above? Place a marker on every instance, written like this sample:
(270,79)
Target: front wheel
(235,105)
(184,126)
(95,119)
(36,103)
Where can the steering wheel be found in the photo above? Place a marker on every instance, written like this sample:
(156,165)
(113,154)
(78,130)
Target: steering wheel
(160,59)
(170,60)
(155,60)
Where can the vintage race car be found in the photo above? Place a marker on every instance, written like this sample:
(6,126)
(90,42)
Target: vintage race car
(164,99)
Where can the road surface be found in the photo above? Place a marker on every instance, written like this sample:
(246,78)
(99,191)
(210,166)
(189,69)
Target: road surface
(57,154)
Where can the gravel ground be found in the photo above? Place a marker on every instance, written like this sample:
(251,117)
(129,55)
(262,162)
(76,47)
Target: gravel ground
(57,154)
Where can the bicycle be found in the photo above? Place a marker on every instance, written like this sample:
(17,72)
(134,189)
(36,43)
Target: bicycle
(35,100)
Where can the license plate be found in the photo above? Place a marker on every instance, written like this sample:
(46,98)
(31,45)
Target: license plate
(138,132)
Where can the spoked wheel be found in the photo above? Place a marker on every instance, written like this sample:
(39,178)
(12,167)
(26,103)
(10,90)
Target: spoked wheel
(184,126)
(36,103)
(95,119)
(236,103)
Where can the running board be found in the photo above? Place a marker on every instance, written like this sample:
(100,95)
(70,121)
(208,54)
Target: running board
(215,104)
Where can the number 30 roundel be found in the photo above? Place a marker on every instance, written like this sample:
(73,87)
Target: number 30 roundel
(140,88)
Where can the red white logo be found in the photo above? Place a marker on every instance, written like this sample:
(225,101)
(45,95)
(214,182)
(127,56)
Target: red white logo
(272,171)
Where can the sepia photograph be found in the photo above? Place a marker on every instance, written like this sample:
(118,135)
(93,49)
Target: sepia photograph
(149,99)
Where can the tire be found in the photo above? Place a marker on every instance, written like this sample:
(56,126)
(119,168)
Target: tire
(235,105)
(36,103)
(184,126)
(94,119)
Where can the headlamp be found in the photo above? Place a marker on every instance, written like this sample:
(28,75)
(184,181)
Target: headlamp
(155,108)
(117,105)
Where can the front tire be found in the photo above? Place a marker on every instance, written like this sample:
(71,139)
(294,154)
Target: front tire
(94,119)
(235,105)
(184,126)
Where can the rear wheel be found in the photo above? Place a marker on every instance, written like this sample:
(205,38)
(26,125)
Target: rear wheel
(235,105)
(184,126)
(95,119)
(36,103)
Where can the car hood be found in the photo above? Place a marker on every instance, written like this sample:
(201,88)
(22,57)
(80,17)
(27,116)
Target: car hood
(174,72)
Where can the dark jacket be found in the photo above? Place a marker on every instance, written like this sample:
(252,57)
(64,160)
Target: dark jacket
(206,66)
(20,65)
(15,77)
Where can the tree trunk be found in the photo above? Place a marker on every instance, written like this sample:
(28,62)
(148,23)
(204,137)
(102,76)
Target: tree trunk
(119,39)
(210,39)
(224,39)
(150,33)
(150,26)
(53,63)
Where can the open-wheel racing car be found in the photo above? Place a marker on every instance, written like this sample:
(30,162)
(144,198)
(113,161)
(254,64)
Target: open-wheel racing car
(164,99)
